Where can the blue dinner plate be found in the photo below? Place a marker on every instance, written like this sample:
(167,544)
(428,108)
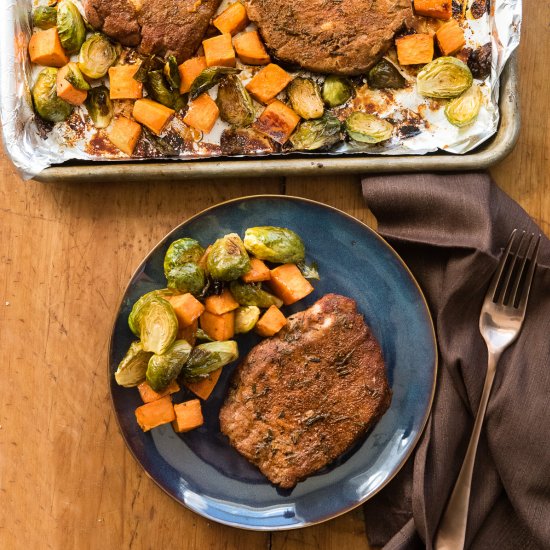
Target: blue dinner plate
(200,469)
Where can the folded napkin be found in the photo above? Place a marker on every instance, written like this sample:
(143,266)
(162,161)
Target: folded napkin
(450,230)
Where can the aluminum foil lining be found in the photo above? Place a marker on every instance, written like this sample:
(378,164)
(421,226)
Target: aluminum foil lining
(34,147)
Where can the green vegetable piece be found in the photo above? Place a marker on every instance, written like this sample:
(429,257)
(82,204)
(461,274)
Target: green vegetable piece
(159,90)
(181,252)
(317,134)
(208,79)
(75,77)
(134,319)
(336,90)
(252,294)
(309,271)
(305,98)
(463,110)
(187,278)
(70,27)
(172,73)
(228,259)
(131,370)
(47,104)
(97,55)
(44,17)
(100,106)
(445,77)
(246,318)
(201,335)
(234,102)
(162,369)
(274,244)
(208,357)
(159,143)
(158,325)
(385,75)
(151,63)
(367,128)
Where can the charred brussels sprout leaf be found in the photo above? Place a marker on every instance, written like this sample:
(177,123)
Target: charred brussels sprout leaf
(336,90)
(367,128)
(134,319)
(445,77)
(47,104)
(252,294)
(385,75)
(187,278)
(70,27)
(463,110)
(246,318)
(151,63)
(305,98)
(317,134)
(158,325)
(206,358)
(44,17)
(97,55)
(75,77)
(201,335)
(100,106)
(181,252)
(208,79)
(131,370)
(309,271)
(274,244)
(158,88)
(234,102)
(172,73)
(162,369)
(228,259)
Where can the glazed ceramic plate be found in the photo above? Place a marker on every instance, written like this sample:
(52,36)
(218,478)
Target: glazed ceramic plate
(200,469)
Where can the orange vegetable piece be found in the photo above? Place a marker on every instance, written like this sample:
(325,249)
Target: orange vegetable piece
(124,133)
(204,387)
(155,414)
(218,327)
(189,70)
(450,37)
(258,272)
(414,49)
(148,394)
(202,261)
(45,49)
(66,91)
(152,114)
(221,304)
(122,83)
(271,322)
(186,307)
(219,51)
(189,333)
(250,48)
(440,9)
(188,416)
(202,113)
(289,284)
(268,82)
(277,121)
(232,20)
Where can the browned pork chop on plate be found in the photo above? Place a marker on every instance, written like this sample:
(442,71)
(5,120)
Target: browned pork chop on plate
(303,397)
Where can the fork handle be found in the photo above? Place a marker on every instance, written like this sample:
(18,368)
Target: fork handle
(452,528)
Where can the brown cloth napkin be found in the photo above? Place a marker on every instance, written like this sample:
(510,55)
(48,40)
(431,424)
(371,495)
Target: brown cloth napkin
(450,230)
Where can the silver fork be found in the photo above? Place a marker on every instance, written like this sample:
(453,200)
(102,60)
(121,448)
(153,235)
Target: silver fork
(500,322)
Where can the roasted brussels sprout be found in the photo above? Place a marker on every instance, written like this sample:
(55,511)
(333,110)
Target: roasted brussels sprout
(70,26)
(162,369)
(336,90)
(228,259)
(445,77)
(172,73)
(246,318)
(305,98)
(159,90)
(134,318)
(187,277)
(158,325)
(385,75)
(274,244)
(97,55)
(44,17)
(151,63)
(234,102)
(206,358)
(47,104)
(252,294)
(75,77)
(131,370)
(208,79)
(100,106)
(367,128)
(317,134)
(463,110)
(181,252)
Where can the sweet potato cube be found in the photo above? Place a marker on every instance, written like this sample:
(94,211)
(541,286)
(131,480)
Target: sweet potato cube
(221,304)
(188,416)
(415,49)
(258,272)
(204,387)
(271,322)
(124,133)
(122,83)
(450,37)
(250,48)
(277,122)
(219,51)
(148,394)
(232,20)
(289,284)
(152,114)
(66,91)
(186,307)
(268,82)
(440,9)
(45,49)
(189,333)
(155,414)
(202,113)
(189,70)
(218,327)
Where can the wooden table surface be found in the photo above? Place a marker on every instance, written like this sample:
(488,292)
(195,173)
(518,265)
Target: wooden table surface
(66,254)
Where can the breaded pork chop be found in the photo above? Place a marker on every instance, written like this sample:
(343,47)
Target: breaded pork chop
(303,397)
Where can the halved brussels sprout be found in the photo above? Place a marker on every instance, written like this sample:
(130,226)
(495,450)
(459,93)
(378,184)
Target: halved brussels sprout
(367,128)
(162,369)
(463,110)
(100,106)
(305,98)
(47,104)
(97,55)
(134,319)
(44,17)
(172,73)
(234,102)
(159,90)
(228,259)
(208,79)
(252,294)
(246,318)
(385,75)
(336,90)
(445,77)
(182,251)
(274,244)
(317,134)
(131,370)
(70,26)
(187,278)
(206,358)
(158,325)
(75,77)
